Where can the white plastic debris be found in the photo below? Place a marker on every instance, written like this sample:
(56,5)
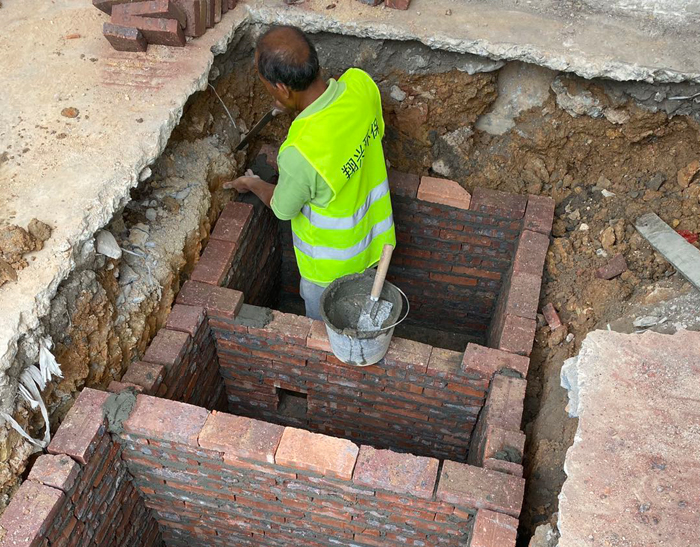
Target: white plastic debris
(107,244)
(648,321)
(32,381)
(607,193)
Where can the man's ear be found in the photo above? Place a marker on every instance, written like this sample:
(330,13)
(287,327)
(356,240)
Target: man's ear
(285,91)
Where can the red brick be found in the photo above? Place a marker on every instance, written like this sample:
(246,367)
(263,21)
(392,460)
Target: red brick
(493,530)
(453,279)
(82,428)
(218,301)
(196,14)
(185,318)
(523,294)
(475,272)
(531,253)
(233,221)
(118,387)
(444,362)
(498,203)
(443,191)
(165,32)
(165,9)
(124,38)
(167,348)
(330,456)
(241,437)
(318,337)
(166,420)
(398,4)
(539,214)
(106,5)
(505,401)
(403,184)
(215,262)
(476,488)
(518,335)
(408,355)
(294,328)
(551,316)
(147,375)
(399,473)
(58,471)
(30,514)
(497,439)
(503,466)
(613,268)
(487,361)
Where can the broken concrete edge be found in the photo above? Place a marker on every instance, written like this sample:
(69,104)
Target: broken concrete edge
(396,26)
(50,269)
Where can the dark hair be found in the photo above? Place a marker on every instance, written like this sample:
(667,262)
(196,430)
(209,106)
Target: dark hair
(287,56)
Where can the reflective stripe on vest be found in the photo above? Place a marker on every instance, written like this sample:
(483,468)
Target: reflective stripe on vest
(319,220)
(331,253)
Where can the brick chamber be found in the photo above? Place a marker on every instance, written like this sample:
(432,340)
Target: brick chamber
(423,448)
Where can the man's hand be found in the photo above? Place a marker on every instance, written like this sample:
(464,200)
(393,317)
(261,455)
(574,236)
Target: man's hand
(242,184)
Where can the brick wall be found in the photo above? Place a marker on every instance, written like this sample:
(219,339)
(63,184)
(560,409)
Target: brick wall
(80,494)
(181,362)
(449,260)
(217,479)
(420,398)
(243,252)
(514,320)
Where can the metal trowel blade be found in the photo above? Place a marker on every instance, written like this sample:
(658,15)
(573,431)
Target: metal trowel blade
(373,318)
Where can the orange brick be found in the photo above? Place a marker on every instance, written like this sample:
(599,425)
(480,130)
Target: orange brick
(443,191)
(320,454)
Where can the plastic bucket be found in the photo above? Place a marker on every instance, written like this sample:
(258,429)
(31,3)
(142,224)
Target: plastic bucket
(341,304)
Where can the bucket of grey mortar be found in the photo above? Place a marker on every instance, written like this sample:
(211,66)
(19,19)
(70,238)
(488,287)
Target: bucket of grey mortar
(341,305)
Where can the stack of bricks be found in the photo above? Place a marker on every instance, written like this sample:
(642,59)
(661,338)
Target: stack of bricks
(419,398)
(217,479)
(450,258)
(81,492)
(134,25)
(243,253)
(513,325)
(181,362)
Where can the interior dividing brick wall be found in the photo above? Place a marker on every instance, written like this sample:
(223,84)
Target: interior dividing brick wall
(217,479)
(418,399)
(81,493)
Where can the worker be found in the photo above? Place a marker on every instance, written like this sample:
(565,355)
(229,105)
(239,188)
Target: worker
(332,174)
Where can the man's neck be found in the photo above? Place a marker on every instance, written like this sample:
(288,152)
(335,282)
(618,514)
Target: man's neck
(310,95)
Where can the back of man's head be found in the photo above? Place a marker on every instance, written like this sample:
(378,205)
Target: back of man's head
(285,55)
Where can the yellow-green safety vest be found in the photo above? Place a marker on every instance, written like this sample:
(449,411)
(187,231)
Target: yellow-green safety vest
(343,142)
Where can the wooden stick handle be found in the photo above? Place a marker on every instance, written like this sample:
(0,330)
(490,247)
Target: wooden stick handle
(381,271)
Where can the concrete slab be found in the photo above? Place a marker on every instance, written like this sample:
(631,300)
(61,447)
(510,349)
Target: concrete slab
(74,173)
(632,472)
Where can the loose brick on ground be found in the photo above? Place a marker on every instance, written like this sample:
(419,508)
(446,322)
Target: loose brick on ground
(196,14)
(613,268)
(317,453)
(124,38)
(398,4)
(551,316)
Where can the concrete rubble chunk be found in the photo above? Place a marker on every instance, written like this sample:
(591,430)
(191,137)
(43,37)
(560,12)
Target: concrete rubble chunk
(107,245)
(632,470)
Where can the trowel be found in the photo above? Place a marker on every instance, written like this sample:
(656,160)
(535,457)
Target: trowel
(376,311)
(257,128)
